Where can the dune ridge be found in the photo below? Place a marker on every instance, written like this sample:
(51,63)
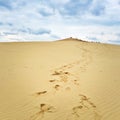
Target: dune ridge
(63,80)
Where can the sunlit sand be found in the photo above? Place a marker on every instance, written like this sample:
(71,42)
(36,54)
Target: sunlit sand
(64,80)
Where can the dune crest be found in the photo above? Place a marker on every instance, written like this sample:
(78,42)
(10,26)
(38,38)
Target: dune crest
(68,79)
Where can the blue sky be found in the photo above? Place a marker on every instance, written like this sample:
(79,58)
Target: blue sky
(48,20)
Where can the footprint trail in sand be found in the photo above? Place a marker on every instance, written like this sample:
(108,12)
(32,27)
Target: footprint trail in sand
(63,79)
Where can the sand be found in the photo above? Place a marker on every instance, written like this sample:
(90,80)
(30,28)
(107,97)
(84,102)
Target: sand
(62,80)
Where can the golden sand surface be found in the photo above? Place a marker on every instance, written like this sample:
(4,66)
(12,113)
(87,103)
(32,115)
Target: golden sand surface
(62,80)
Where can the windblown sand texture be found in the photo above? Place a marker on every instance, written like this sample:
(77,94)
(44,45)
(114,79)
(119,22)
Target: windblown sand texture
(62,80)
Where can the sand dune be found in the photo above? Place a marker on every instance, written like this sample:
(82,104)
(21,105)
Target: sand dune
(62,80)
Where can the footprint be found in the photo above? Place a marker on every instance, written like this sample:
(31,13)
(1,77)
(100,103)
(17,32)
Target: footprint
(52,81)
(43,109)
(60,72)
(46,108)
(81,112)
(57,73)
(40,93)
(85,101)
(75,110)
(76,82)
(57,87)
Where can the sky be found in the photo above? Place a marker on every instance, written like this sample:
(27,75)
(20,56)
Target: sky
(49,20)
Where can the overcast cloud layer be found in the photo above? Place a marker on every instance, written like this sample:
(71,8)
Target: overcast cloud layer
(47,20)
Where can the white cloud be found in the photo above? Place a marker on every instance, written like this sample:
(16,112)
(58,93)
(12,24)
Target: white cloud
(53,19)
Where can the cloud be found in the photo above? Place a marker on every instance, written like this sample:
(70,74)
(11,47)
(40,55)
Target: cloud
(9,24)
(55,37)
(118,34)
(98,7)
(114,41)
(92,38)
(73,8)
(46,11)
(111,23)
(5,4)
(9,33)
(41,32)
(1,24)
(5,24)
(35,32)
(78,8)
(25,34)
(102,33)
(57,19)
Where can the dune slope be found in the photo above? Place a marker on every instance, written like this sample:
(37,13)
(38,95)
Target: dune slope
(62,80)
